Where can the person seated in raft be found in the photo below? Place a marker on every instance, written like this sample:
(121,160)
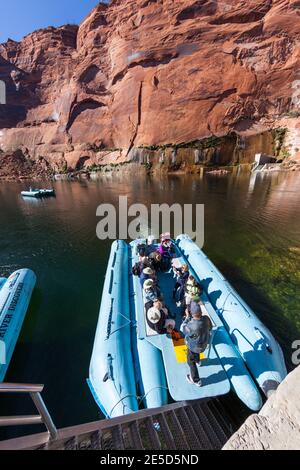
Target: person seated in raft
(196,329)
(140,265)
(147,273)
(151,291)
(141,249)
(157,319)
(144,262)
(193,290)
(167,251)
(155,260)
(182,275)
(150,245)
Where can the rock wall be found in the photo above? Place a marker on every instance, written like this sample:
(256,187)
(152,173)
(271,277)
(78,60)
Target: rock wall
(277,426)
(16,165)
(151,72)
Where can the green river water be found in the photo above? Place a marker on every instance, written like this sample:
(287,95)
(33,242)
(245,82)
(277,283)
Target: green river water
(252,233)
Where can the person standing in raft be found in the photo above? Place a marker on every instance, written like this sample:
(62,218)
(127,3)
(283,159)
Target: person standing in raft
(193,291)
(157,319)
(196,329)
(182,275)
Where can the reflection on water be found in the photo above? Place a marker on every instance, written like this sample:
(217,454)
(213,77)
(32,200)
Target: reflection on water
(252,233)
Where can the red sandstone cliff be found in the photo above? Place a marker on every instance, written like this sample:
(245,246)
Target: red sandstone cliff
(144,72)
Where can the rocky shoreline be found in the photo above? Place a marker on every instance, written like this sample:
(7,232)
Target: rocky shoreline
(21,170)
(18,168)
(277,425)
(218,155)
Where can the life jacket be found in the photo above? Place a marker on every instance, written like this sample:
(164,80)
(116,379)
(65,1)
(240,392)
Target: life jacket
(193,289)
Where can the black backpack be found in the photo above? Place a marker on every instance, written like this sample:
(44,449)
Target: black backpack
(141,249)
(136,270)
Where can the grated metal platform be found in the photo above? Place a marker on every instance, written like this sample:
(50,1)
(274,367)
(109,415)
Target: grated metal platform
(199,425)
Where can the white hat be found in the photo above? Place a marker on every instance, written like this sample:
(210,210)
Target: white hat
(170,323)
(165,236)
(151,239)
(148,283)
(148,271)
(153,315)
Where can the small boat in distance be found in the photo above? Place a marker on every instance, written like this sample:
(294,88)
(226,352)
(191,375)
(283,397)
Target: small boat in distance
(38,193)
(47,192)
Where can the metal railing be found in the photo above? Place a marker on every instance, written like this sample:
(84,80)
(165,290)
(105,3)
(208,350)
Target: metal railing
(43,416)
(197,424)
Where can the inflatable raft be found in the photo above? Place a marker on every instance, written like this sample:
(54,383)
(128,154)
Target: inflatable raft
(15,295)
(132,366)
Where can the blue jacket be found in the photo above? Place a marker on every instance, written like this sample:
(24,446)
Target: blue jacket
(143,278)
(182,278)
(151,294)
(197,333)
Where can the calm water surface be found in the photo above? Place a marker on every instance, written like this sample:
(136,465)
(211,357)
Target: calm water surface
(252,233)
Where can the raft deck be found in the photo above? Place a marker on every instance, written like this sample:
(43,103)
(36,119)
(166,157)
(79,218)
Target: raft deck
(214,379)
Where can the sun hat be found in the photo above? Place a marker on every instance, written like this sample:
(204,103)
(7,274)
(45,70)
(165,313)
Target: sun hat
(148,271)
(153,315)
(165,236)
(170,324)
(148,283)
(151,239)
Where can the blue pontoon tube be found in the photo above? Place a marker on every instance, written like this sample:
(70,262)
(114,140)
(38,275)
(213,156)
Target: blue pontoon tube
(256,344)
(111,377)
(15,295)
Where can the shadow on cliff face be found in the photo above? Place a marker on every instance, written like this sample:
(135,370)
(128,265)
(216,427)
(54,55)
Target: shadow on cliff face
(20,86)
(255,13)
(10,115)
(80,108)
(198,8)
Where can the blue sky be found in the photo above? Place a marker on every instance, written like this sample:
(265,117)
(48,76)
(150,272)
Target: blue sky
(20,17)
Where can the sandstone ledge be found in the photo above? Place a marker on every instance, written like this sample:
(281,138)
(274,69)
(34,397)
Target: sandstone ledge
(277,426)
